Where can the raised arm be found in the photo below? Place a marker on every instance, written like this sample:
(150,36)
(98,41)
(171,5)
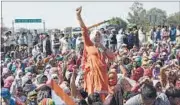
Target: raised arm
(169,48)
(163,76)
(85,36)
(158,48)
(122,68)
(72,85)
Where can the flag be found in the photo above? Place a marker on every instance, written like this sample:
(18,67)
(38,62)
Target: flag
(59,96)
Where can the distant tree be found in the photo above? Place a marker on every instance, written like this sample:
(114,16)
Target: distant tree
(4,29)
(137,15)
(117,21)
(68,30)
(174,19)
(156,16)
(21,30)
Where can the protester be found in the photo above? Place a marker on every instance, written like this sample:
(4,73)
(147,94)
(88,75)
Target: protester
(120,38)
(130,39)
(142,37)
(65,44)
(136,36)
(178,34)
(56,44)
(174,96)
(35,37)
(148,96)
(6,41)
(172,34)
(153,34)
(158,33)
(113,40)
(47,46)
(96,67)
(79,43)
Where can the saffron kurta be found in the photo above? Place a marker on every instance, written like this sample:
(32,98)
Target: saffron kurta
(95,67)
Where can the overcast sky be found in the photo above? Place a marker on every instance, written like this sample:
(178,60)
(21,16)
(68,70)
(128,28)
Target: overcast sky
(62,14)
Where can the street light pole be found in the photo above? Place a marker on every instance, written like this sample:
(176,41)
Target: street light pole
(13,27)
(155,18)
(2,26)
(44,27)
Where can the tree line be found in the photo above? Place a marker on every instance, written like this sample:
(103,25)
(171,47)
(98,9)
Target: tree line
(146,18)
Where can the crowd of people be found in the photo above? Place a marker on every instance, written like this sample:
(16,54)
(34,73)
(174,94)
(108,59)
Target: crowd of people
(97,67)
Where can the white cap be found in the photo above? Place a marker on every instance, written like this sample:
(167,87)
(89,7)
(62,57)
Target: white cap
(113,30)
(123,45)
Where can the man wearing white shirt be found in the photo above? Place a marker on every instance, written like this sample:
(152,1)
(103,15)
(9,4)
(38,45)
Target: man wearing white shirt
(29,38)
(105,37)
(162,30)
(78,42)
(55,44)
(153,35)
(120,38)
(35,51)
(65,44)
(12,41)
(29,41)
(142,37)
(22,39)
(6,42)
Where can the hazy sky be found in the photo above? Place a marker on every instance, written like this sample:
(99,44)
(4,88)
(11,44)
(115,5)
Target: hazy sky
(62,14)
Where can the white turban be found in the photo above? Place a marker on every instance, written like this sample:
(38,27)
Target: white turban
(93,36)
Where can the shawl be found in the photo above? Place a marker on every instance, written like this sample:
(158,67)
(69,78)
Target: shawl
(84,58)
(8,81)
(138,73)
(156,72)
(148,72)
(32,94)
(6,94)
(47,101)
(5,71)
(39,79)
(116,98)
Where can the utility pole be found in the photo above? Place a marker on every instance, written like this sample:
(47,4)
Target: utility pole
(179,11)
(1,20)
(150,19)
(1,25)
